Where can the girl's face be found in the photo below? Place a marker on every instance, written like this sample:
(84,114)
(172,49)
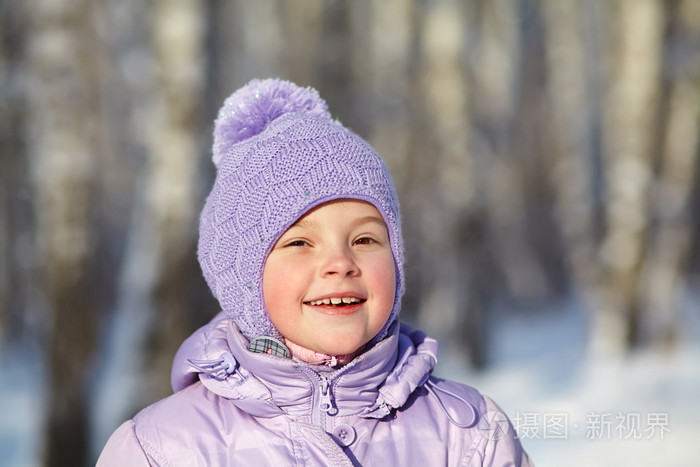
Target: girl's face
(329,281)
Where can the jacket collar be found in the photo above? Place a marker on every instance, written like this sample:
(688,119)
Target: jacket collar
(380,379)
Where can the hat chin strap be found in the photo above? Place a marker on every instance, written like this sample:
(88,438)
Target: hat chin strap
(317,358)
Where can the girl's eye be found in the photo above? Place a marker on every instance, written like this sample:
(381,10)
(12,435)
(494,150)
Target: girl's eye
(297,243)
(365,241)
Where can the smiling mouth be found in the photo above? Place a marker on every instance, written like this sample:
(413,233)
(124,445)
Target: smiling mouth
(336,301)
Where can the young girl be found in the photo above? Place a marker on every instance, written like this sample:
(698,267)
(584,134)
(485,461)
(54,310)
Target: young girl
(307,364)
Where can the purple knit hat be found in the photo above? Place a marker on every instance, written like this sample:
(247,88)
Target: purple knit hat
(278,154)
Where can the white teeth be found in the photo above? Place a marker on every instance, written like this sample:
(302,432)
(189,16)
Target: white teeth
(335,301)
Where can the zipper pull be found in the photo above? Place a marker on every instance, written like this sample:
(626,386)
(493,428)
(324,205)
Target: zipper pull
(326,402)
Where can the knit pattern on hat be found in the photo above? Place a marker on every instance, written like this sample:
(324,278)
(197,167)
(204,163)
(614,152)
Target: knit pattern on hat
(278,154)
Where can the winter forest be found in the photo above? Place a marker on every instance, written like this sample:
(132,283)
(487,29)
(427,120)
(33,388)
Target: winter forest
(546,155)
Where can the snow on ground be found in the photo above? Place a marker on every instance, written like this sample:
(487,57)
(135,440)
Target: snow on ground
(643,410)
(568,409)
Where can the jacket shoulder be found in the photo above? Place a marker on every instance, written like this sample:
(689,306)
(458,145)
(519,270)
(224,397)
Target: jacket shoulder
(196,426)
(123,448)
(176,427)
(156,430)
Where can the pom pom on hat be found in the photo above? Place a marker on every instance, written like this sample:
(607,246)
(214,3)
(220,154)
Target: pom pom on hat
(248,111)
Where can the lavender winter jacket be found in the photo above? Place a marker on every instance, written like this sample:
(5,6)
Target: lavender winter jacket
(234,407)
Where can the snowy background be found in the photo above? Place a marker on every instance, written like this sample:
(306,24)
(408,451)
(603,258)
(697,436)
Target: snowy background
(614,410)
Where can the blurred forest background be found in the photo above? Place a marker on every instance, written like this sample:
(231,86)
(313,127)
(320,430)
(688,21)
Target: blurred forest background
(544,151)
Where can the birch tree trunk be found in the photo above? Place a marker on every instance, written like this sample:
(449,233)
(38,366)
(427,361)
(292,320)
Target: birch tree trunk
(450,210)
(334,69)
(630,125)
(572,72)
(301,25)
(663,276)
(62,146)
(174,174)
(384,64)
(128,94)
(19,302)
(254,42)
(498,108)
(8,145)
(156,283)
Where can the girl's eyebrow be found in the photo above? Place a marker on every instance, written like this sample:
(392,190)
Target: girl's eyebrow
(369,220)
(308,224)
(302,224)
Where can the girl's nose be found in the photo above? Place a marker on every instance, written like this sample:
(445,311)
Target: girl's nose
(339,262)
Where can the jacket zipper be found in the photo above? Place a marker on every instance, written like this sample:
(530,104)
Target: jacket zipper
(324,401)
